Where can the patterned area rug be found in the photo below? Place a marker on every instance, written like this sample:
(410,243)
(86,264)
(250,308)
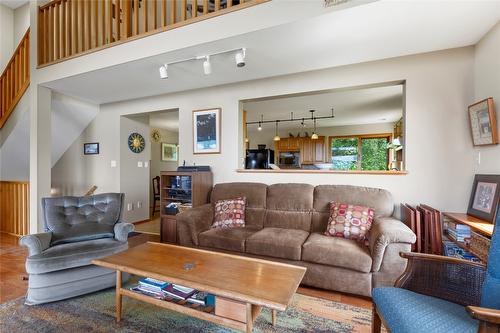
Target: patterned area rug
(95,313)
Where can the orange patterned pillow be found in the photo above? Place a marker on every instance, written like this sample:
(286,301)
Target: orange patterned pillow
(229,213)
(349,221)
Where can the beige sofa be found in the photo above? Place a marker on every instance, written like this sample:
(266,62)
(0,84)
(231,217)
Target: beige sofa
(286,222)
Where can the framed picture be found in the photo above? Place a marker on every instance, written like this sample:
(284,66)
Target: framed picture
(207,131)
(484,198)
(168,152)
(483,123)
(91,148)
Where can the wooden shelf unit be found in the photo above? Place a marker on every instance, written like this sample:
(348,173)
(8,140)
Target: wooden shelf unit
(483,227)
(196,187)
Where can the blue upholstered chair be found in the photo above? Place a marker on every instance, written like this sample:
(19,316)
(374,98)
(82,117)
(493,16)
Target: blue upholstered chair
(441,294)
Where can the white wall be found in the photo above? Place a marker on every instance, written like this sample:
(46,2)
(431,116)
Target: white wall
(21,22)
(487,84)
(6,35)
(440,159)
(157,164)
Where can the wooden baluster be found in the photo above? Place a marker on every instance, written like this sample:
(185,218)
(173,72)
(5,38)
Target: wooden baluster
(41,37)
(75,24)
(57,27)
(51,33)
(136,17)
(95,21)
(183,10)
(63,28)
(103,22)
(154,9)
(117,19)
(81,26)
(88,24)
(22,59)
(217,5)
(194,8)
(145,16)
(173,12)
(127,17)
(27,62)
(110,21)
(163,14)
(69,8)
(205,7)
(229,3)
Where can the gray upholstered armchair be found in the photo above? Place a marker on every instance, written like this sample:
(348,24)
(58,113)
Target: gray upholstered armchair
(77,230)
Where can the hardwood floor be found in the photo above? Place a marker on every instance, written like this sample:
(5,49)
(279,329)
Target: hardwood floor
(13,283)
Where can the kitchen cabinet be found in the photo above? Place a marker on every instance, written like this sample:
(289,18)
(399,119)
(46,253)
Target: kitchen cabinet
(312,151)
(287,144)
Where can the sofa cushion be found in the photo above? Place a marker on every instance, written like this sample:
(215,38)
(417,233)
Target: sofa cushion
(379,200)
(405,311)
(229,213)
(255,194)
(349,221)
(289,206)
(339,252)
(230,239)
(71,255)
(277,242)
(73,219)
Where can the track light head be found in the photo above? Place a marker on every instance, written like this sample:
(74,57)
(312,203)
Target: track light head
(163,71)
(239,57)
(207,66)
(260,127)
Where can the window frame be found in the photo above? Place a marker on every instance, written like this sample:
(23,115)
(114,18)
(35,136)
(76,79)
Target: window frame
(360,137)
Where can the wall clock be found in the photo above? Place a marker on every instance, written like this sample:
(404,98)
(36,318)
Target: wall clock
(155,135)
(136,143)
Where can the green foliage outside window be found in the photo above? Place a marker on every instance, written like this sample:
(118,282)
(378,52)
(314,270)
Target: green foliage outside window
(346,154)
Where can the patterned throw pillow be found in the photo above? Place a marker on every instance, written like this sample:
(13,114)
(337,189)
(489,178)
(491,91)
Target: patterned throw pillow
(229,213)
(349,221)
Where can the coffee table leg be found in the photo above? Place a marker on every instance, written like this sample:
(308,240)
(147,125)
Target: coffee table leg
(249,318)
(118,296)
(274,317)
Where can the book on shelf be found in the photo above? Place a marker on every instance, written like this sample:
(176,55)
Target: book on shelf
(198,297)
(171,291)
(186,290)
(451,249)
(153,284)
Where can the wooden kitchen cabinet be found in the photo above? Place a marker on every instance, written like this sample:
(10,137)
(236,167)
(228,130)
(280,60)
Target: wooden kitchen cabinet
(312,151)
(319,150)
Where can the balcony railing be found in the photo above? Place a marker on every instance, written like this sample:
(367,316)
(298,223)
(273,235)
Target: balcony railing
(15,78)
(69,28)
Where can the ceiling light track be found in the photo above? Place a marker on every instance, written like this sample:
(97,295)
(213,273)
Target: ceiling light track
(260,122)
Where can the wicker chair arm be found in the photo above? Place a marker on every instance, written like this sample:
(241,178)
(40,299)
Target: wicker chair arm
(452,279)
(491,316)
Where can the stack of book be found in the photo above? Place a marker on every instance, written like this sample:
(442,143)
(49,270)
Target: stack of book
(152,287)
(179,292)
(459,232)
(451,249)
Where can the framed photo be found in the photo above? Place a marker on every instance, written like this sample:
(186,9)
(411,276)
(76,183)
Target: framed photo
(483,123)
(168,152)
(207,131)
(91,148)
(484,198)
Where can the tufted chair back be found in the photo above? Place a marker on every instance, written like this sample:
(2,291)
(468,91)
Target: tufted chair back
(490,296)
(74,219)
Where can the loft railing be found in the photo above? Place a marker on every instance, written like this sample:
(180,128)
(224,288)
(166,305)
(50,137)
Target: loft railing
(69,28)
(14,207)
(15,78)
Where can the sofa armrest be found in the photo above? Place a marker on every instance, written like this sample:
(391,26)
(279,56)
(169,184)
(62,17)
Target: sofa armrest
(122,230)
(197,220)
(384,231)
(36,243)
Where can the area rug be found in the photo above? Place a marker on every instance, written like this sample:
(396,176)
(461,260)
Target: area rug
(95,313)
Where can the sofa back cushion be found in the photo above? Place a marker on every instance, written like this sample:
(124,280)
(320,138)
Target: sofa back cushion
(379,200)
(289,206)
(255,194)
(74,219)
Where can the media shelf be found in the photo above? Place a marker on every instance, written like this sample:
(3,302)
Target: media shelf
(190,189)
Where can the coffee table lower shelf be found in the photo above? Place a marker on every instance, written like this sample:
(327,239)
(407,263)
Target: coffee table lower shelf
(252,310)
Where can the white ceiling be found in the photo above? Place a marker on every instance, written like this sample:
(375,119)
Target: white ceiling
(376,30)
(168,120)
(351,107)
(13,4)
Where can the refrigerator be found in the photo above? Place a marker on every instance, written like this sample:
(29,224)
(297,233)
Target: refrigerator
(259,158)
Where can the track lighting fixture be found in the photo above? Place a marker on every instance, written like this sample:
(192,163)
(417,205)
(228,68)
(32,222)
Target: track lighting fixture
(164,71)
(260,122)
(277,137)
(239,58)
(314,136)
(207,66)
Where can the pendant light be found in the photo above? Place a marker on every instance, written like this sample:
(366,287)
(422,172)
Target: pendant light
(314,136)
(260,122)
(277,137)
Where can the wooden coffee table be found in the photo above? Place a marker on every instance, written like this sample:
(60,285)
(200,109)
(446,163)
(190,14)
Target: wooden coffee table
(254,282)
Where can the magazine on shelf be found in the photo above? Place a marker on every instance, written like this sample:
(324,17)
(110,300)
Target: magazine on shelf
(171,291)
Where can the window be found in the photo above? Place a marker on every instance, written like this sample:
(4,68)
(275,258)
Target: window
(361,152)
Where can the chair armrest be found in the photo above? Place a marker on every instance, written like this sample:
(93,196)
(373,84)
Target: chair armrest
(452,279)
(384,231)
(122,230)
(491,316)
(36,243)
(197,219)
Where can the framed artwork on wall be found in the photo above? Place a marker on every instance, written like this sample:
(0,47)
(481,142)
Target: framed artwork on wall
(91,148)
(484,197)
(168,152)
(483,123)
(207,131)
(136,143)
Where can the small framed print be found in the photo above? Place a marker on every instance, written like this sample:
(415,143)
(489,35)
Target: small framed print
(483,123)
(207,131)
(168,152)
(91,148)
(484,197)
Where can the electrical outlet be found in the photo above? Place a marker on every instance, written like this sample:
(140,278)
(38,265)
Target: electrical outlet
(139,164)
(130,207)
(146,164)
(113,164)
(139,204)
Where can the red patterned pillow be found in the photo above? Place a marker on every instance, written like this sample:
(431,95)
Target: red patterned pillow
(349,221)
(229,213)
